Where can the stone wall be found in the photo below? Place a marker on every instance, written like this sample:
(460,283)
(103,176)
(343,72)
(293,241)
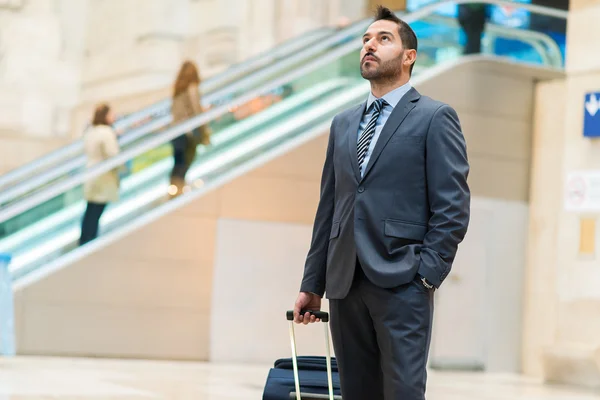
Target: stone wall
(39,66)
(58,58)
(563,314)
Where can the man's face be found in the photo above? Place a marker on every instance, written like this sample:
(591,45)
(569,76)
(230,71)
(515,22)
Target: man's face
(382,54)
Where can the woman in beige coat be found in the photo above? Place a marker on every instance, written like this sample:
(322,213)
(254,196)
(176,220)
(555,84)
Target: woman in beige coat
(100,143)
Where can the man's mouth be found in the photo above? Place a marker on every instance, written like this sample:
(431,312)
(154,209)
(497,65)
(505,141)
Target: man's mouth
(369,58)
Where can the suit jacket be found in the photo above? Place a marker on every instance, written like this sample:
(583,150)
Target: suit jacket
(409,211)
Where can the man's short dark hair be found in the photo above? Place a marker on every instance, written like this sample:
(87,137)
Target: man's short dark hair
(407,35)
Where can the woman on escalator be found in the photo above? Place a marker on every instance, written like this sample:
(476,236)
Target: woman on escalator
(186,104)
(99,143)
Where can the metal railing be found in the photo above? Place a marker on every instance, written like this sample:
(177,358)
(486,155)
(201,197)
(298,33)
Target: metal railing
(551,56)
(212,173)
(76,148)
(127,122)
(202,119)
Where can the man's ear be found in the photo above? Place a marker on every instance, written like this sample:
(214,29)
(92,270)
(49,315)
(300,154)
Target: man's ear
(410,56)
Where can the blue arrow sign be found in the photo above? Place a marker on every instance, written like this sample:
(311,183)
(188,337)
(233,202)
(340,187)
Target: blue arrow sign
(591,118)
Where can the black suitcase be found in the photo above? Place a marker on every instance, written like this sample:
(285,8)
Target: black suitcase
(305,377)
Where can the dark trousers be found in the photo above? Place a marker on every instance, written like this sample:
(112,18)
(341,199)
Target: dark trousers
(381,339)
(472,19)
(90,222)
(180,166)
(184,153)
(473,42)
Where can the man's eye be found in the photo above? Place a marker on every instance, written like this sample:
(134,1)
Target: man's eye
(385,38)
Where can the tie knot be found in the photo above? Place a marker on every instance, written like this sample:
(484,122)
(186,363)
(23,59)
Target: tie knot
(379,104)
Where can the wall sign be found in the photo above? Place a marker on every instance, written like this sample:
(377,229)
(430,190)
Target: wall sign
(582,191)
(591,115)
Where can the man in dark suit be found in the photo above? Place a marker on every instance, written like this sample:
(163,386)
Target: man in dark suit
(394,207)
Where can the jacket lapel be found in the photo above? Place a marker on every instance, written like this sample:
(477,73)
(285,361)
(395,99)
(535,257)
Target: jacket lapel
(404,106)
(353,125)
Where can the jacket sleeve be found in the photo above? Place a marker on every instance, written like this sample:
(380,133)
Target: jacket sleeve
(110,145)
(447,169)
(316,262)
(195,99)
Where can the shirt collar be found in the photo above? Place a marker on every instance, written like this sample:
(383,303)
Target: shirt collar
(393,97)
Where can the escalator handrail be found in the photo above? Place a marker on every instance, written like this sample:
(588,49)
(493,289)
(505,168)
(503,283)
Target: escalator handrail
(23,275)
(127,122)
(230,73)
(556,59)
(204,118)
(76,148)
(159,139)
(78,161)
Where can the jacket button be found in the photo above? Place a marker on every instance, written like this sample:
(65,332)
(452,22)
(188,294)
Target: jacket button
(361,189)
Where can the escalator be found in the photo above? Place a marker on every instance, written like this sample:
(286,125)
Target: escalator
(134,127)
(40,228)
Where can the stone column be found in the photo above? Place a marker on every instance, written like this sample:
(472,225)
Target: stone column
(354,9)
(295,17)
(40,57)
(38,72)
(562,334)
(133,46)
(394,5)
(545,201)
(257,27)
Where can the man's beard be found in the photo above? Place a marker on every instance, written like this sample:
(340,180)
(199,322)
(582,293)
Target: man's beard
(384,71)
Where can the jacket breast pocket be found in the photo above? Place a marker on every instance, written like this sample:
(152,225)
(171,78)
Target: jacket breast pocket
(407,139)
(335,230)
(404,230)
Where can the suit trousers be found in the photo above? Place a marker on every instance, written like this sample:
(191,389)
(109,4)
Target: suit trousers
(381,339)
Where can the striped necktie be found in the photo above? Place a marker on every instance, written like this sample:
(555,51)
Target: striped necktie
(367,135)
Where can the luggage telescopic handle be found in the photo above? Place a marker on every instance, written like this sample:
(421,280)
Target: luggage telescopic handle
(322,315)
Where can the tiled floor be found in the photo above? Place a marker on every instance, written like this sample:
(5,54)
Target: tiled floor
(85,379)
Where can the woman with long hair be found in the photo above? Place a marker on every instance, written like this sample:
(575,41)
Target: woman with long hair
(99,143)
(185,105)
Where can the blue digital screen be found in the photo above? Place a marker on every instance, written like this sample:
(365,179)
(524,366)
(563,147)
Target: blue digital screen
(512,17)
(501,15)
(448,10)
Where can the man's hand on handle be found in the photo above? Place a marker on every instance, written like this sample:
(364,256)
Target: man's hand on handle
(306,301)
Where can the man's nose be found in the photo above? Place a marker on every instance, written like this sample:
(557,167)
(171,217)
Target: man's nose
(369,46)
